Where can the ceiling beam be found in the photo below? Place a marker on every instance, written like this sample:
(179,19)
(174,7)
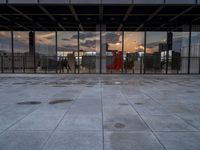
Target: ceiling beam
(51,17)
(76,17)
(151,17)
(182,13)
(130,9)
(25,16)
(176,17)
(8,20)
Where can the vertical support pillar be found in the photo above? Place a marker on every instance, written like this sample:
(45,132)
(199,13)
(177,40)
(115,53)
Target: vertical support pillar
(32,48)
(78,51)
(122,51)
(145,46)
(189,49)
(2,69)
(12,47)
(56,51)
(169,47)
(103,49)
(100,49)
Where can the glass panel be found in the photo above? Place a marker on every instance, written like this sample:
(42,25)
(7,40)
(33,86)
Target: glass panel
(178,56)
(85,1)
(148,1)
(156,52)
(195,52)
(180,1)
(23,1)
(89,52)
(117,2)
(133,52)
(6,51)
(54,2)
(46,60)
(23,57)
(112,52)
(67,54)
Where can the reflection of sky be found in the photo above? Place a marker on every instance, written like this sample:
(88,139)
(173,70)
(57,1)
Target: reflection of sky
(89,41)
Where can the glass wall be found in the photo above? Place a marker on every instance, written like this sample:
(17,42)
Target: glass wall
(118,52)
(133,52)
(195,53)
(156,52)
(23,57)
(89,53)
(112,56)
(178,56)
(45,52)
(5,52)
(67,52)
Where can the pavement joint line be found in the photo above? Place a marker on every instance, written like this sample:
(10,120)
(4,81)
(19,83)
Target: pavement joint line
(103,133)
(51,134)
(17,121)
(174,114)
(145,122)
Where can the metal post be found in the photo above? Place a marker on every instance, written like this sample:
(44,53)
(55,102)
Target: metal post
(56,51)
(100,48)
(12,47)
(122,51)
(144,59)
(2,64)
(78,51)
(189,49)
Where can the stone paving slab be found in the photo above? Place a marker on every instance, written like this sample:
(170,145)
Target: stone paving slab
(131,141)
(180,140)
(75,141)
(167,123)
(37,122)
(125,123)
(81,122)
(23,140)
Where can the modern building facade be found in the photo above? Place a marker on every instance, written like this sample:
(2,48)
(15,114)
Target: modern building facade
(100,36)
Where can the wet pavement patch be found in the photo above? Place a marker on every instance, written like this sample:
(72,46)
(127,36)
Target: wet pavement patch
(58,101)
(123,104)
(191,92)
(58,86)
(89,86)
(29,103)
(119,125)
(139,103)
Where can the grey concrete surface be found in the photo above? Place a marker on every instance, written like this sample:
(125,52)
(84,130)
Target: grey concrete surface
(103,112)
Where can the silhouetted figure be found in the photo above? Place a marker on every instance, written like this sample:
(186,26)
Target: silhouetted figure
(67,65)
(62,65)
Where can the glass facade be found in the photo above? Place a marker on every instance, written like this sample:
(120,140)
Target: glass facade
(67,52)
(45,52)
(89,52)
(100,52)
(6,51)
(156,52)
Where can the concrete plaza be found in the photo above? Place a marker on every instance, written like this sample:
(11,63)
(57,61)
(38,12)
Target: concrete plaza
(101,112)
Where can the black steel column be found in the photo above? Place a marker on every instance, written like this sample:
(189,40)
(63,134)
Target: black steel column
(78,51)
(100,48)
(169,47)
(122,51)
(32,48)
(144,59)
(2,64)
(56,51)
(12,47)
(189,49)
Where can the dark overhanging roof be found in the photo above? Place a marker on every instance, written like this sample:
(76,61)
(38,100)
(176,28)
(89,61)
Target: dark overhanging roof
(86,17)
